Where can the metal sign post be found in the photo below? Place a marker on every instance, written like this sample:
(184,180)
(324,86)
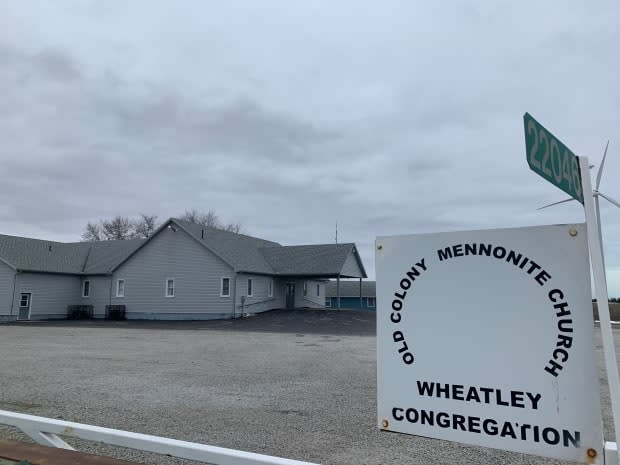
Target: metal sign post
(600,288)
(529,383)
(550,158)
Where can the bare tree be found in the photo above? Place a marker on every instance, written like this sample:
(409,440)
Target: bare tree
(117,229)
(122,227)
(191,216)
(209,220)
(232,227)
(92,232)
(144,227)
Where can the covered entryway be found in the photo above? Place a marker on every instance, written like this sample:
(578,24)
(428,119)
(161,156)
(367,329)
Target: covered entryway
(290,295)
(305,271)
(25,301)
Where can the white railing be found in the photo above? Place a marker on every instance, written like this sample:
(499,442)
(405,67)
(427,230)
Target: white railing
(46,431)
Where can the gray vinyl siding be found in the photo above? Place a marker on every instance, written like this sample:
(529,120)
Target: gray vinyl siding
(310,300)
(51,294)
(197,273)
(260,300)
(319,300)
(279,292)
(351,267)
(7,279)
(99,294)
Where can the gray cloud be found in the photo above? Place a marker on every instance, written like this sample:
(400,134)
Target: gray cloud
(55,65)
(398,118)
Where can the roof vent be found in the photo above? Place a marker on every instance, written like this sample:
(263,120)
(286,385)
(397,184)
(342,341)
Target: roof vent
(49,247)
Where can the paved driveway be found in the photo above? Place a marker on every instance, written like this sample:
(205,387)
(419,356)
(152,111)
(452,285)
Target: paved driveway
(293,384)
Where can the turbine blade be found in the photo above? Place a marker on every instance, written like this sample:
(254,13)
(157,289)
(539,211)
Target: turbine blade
(600,170)
(610,200)
(556,203)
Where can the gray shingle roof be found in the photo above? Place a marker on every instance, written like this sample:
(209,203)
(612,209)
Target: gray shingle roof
(254,255)
(315,260)
(39,255)
(352,289)
(244,253)
(105,255)
(238,250)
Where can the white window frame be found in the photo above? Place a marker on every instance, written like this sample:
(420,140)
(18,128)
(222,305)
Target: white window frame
(166,288)
(28,299)
(305,288)
(84,294)
(250,288)
(328,302)
(222,286)
(368,302)
(118,293)
(270,288)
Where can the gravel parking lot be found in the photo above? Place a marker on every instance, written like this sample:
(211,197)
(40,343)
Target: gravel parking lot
(299,384)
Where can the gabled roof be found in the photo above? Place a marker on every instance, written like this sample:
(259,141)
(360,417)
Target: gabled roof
(23,253)
(245,254)
(104,256)
(238,250)
(310,260)
(352,289)
(26,254)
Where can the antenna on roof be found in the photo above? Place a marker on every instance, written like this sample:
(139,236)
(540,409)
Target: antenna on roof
(336,231)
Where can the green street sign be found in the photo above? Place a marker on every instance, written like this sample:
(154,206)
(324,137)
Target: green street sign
(551,159)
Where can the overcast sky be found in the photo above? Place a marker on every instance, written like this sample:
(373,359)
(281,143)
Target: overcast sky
(388,117)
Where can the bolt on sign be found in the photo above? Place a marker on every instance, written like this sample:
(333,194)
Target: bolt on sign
(487,338)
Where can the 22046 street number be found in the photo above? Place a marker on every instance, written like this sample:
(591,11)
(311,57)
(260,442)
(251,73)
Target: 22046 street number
(551,159)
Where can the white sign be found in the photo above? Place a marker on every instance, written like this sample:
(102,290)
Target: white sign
(486,338)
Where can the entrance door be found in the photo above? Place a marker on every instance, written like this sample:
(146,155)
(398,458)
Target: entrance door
(24,306)
(290,295)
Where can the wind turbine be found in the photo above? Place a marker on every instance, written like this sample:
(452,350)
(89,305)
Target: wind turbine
(596,193)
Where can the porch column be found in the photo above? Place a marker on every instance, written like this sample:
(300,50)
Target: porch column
(338,291)
(233,283)
(361,304)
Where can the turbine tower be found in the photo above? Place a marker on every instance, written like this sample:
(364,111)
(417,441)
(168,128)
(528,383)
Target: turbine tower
(596,193)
